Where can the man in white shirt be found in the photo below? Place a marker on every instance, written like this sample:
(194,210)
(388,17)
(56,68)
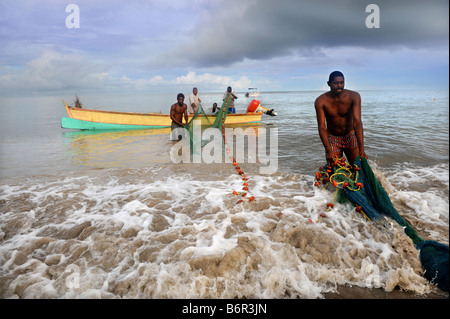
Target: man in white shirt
(194,101)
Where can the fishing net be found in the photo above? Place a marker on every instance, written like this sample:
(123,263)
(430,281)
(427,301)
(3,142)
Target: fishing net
(357,184)
(215,120)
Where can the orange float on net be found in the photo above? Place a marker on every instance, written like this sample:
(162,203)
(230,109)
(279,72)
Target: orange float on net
(345,185)
(251,199)
(244,194)
(359,185)
(317,184)
(358,208)
(239,201)
(330,205)
(245,188)
(334,183)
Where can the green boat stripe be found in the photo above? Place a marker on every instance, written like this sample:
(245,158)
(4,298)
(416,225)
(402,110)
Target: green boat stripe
(74,124)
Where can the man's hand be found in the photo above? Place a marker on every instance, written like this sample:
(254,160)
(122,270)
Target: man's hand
(330,157)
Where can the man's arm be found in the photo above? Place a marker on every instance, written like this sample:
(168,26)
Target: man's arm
(323,132)
(357,123)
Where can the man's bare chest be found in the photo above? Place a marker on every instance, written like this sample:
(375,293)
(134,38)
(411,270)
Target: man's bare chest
(338,108)
(179,108)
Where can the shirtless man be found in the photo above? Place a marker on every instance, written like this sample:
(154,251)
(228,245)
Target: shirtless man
(176,115)
(339,119)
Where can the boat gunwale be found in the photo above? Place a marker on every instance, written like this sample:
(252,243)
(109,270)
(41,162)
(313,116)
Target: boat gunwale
(70,108)
(116,112)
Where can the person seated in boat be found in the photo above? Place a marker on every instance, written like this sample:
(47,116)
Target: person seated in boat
(215,108)
(338,115)
(177,111)
(194,101)
(233,97)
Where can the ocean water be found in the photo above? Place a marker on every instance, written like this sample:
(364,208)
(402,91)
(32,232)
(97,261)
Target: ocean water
(112,215)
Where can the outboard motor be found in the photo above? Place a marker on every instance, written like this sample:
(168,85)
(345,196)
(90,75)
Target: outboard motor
(255,106)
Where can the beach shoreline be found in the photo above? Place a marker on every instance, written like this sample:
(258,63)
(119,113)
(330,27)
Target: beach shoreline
(354,292)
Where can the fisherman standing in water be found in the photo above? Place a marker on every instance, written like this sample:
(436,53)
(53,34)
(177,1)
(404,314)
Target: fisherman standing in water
(339,119)
(176,115)
(194,101)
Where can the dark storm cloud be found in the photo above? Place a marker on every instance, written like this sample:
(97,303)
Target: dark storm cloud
(265,28)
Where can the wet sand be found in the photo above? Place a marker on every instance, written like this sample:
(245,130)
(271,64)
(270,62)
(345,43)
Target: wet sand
(346,292)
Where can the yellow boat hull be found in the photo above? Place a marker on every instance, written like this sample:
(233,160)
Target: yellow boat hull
(86,119)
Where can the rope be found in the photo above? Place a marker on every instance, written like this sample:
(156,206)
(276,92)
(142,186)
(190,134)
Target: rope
(235,164)
(220,121)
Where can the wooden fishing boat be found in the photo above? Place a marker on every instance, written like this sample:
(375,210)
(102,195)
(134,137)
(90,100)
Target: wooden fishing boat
(88,119)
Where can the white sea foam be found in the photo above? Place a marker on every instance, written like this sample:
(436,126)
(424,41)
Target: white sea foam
(144,235)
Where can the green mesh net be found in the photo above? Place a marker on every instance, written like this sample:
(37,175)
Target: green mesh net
(216,120)
(358,184)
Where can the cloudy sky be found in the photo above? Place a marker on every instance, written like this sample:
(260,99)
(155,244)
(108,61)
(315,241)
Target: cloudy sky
(173,45)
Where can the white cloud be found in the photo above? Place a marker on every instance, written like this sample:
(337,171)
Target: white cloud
(206,81)
(55,71)
(213,80)
(157,79)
